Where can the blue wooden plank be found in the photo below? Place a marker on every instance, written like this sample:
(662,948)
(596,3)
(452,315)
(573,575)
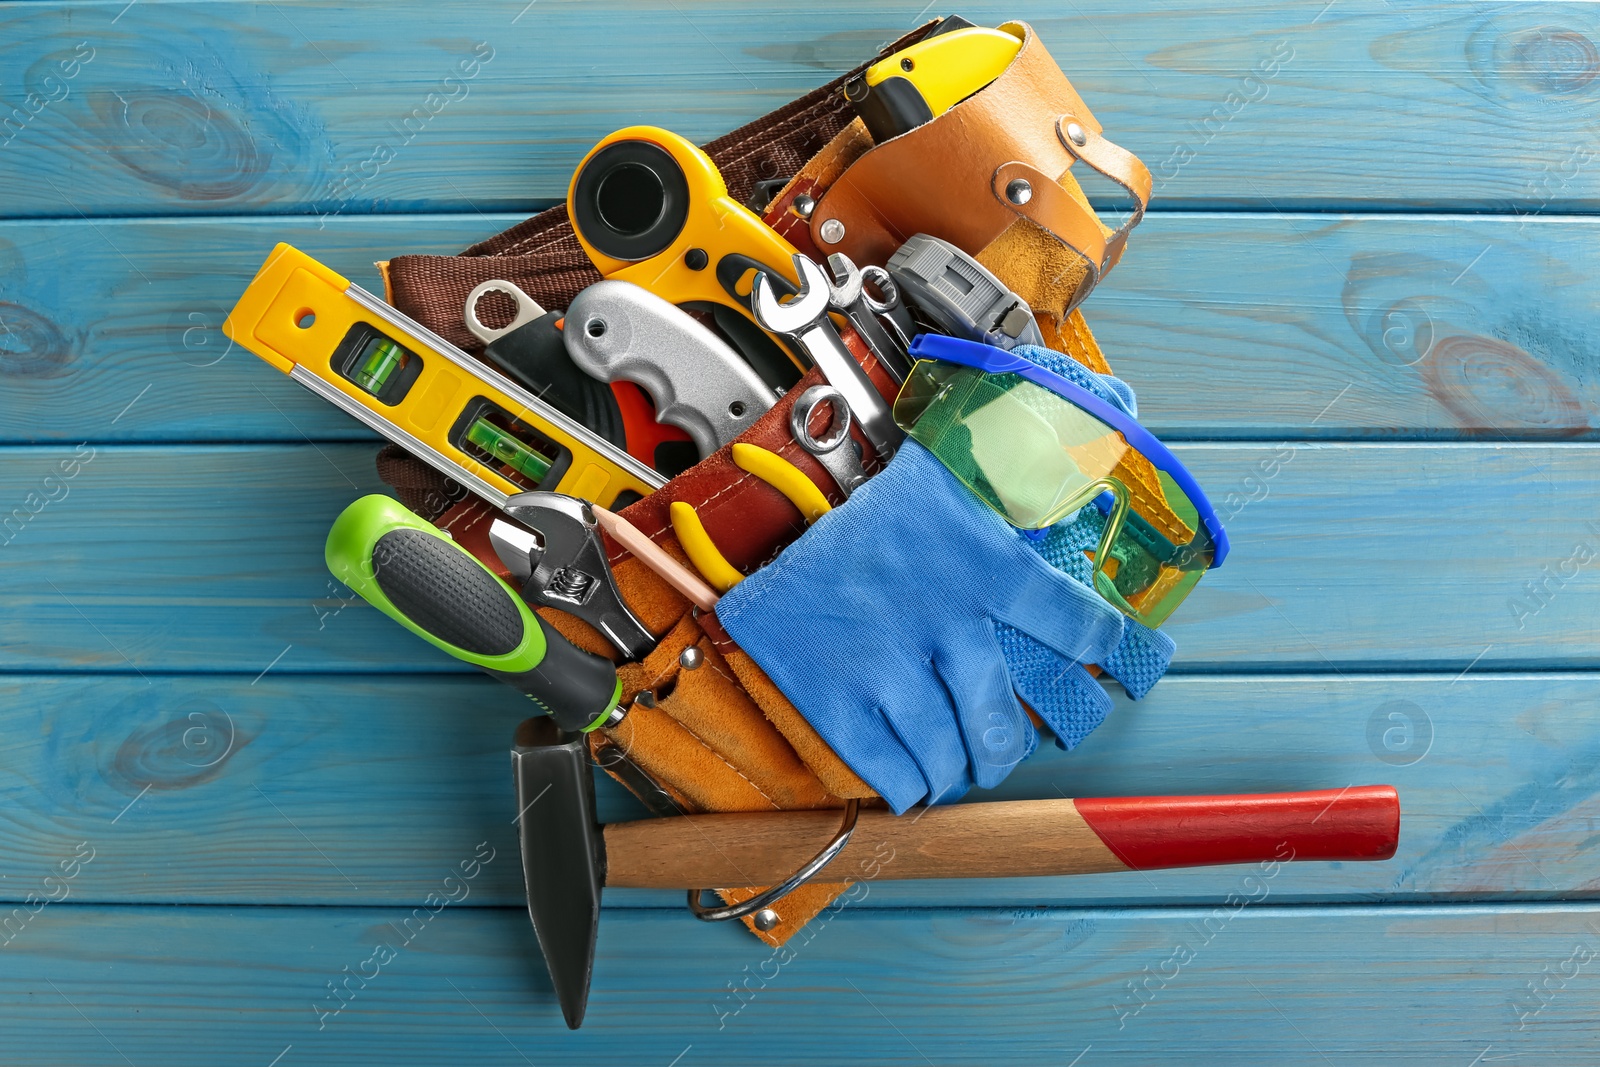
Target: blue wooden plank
(1384,328)
(191,558)
(322,790)
(128,344)
(1230,326)
(178,108)
(1261,985)
(1404,556)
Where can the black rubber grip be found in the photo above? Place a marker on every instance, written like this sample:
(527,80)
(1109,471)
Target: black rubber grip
(452,596)
(891,108)
(574,686)
(446,592)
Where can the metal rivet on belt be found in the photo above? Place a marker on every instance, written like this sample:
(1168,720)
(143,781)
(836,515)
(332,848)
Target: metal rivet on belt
(645,699)
(691,658)
(765,919)
(1018,191)
(1076,135)
(831,232)
(803,205)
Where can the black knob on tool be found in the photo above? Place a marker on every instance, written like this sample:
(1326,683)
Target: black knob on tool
(411,571)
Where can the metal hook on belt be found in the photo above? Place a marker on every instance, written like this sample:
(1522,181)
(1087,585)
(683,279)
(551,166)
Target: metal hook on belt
(771,896)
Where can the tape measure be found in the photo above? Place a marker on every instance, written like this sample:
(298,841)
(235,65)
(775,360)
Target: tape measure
(422,392)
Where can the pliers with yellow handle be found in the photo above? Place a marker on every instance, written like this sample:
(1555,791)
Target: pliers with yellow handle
(771,468)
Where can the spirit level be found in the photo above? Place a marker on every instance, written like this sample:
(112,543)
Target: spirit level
(422,392)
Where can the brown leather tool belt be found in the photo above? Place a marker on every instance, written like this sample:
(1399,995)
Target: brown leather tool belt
(710,730)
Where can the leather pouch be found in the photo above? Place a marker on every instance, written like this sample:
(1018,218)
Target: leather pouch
(992,176)
(722,737)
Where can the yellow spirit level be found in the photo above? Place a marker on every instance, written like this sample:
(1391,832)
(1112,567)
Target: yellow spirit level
(422,392)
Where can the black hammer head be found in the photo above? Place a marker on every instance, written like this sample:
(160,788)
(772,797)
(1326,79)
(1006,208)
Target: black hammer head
(563,854)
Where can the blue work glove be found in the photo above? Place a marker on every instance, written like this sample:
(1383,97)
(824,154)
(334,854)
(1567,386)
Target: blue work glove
(1065,695)
(880,625)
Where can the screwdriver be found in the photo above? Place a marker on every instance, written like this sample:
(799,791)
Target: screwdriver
(412,571)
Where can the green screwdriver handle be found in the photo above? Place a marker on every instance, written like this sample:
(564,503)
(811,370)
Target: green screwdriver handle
(410,570)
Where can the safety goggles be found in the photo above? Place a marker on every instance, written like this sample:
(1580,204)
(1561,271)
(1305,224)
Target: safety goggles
(1036,448)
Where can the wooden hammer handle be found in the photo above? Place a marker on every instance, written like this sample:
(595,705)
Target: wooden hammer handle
(1008,839)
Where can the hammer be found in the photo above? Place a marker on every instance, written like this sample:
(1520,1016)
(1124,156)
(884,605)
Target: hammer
(567,856)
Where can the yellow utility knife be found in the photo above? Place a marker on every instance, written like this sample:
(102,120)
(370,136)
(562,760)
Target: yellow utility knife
(921,82)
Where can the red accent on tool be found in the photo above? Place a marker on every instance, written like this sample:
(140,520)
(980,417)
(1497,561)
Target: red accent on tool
(639,423)
(1355,823)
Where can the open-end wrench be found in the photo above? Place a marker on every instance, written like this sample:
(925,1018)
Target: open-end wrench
(805,318)
(847,294)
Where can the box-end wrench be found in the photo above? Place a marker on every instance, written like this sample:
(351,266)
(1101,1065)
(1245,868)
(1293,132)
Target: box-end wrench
(836,451)
(805,318)
(846,293)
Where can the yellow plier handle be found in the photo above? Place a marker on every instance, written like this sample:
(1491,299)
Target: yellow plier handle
(771,468)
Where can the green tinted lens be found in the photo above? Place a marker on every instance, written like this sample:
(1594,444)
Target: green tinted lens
(1151,572)
(1024,451)
(1035,458)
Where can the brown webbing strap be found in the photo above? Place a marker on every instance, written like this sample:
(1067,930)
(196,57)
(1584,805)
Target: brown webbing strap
(542,256)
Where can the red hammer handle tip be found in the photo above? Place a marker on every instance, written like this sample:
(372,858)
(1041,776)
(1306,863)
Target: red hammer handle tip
(1354,823)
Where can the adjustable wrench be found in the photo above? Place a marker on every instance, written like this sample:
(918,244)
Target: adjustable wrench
(564,566)
(805,318)
(617,330)
(847,294)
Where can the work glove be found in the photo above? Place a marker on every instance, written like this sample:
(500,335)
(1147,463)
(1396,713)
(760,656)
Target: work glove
(881,625)
(1064,694)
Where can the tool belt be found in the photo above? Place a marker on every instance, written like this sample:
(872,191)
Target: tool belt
(992,175)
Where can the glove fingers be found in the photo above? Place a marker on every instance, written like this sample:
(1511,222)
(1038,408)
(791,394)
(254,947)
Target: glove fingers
(1140,659)
(1063,613)
(925,722)
(1064,695)
(872,747)
(996,730)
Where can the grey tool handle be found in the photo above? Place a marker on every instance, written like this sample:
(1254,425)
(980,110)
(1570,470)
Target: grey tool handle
(616,330)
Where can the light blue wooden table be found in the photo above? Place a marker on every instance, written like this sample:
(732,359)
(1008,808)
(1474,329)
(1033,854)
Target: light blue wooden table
(1364,307)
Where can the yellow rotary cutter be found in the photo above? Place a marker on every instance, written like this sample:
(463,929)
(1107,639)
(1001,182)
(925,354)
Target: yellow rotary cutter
(422,392)
(651,208)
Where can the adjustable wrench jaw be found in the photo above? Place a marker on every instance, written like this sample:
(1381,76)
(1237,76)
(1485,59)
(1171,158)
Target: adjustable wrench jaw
(566,566)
